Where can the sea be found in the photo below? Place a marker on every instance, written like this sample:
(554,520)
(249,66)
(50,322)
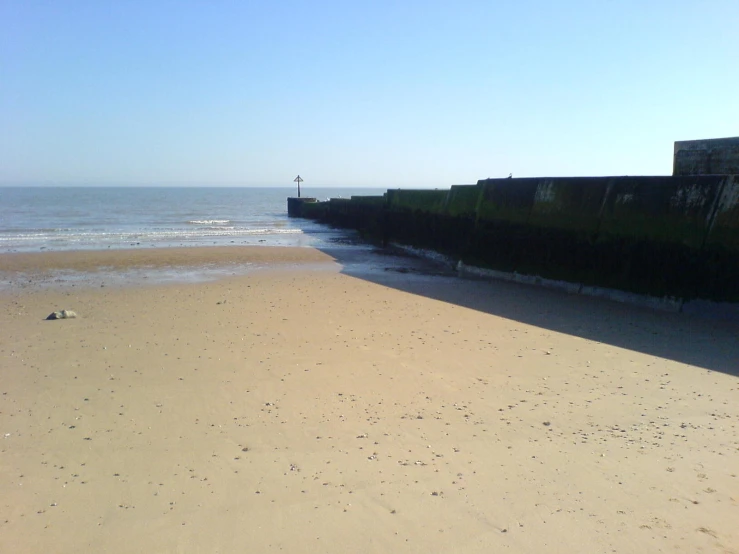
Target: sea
(34,219)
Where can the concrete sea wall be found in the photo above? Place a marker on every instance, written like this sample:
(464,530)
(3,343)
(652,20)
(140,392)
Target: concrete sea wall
(706,157)
(674,238)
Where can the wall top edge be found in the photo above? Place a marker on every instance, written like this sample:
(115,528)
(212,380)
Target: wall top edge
(713,142)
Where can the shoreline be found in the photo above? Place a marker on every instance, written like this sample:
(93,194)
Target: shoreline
(87,260)
(311,411)
(134,266)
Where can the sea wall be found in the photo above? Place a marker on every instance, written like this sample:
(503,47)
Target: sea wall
(706,157)
(303,207)
(665,237)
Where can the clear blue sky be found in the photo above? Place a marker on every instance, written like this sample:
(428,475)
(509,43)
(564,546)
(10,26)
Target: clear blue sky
(378,93)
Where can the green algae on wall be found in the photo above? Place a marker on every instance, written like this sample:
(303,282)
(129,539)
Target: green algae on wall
(431,201)
(662,236)
(501,224)
(652,232)
(672,209)
(462,201)
(562,228)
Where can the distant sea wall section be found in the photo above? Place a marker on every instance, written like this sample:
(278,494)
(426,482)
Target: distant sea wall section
(706,157)
(672,242)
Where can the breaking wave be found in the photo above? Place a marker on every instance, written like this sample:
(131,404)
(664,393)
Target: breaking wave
(209,221)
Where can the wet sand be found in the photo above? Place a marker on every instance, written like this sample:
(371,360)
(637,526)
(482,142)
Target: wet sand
(305,408)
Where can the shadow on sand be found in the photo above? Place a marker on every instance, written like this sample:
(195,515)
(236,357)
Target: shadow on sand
(705,343)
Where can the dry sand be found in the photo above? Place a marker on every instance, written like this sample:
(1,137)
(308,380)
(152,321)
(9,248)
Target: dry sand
(315,411)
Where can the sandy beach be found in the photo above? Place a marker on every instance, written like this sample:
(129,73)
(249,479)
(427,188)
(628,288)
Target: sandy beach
(304,406)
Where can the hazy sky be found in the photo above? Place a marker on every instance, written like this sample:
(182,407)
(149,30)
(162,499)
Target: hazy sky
(376,93)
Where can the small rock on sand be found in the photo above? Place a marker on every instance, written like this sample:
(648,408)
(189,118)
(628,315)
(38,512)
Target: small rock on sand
(64,314)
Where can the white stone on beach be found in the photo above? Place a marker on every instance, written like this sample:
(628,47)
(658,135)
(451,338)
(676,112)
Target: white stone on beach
(64,314)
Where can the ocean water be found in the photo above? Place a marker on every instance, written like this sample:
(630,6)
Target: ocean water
(34,219)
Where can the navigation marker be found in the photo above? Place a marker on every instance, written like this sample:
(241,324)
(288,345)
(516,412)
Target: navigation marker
(298,180)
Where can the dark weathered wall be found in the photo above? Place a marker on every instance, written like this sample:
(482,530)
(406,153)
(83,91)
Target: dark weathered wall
(661,236)
(421,218)
(720,252)
(706,157)
(296,207)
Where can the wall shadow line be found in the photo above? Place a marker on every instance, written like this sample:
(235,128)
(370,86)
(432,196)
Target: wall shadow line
(701,342)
